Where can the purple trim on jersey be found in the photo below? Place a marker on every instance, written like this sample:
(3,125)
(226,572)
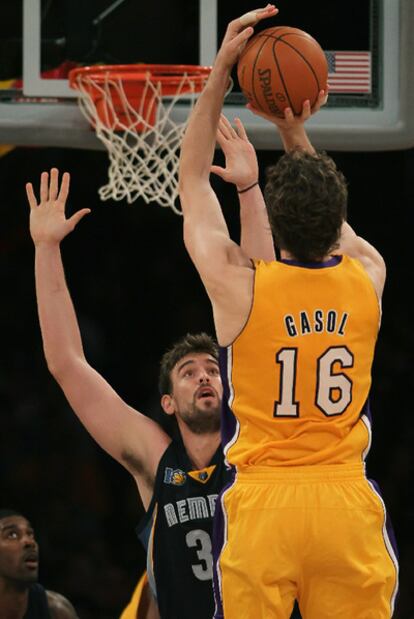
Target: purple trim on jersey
(219,540)
(388,524)
(314,265)
(228,420)
(366,410)
(228,431)
(392,541)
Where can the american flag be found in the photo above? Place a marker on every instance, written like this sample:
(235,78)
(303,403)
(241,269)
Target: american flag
(349,72)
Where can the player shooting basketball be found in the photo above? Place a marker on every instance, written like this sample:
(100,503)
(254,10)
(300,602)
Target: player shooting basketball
(297,344)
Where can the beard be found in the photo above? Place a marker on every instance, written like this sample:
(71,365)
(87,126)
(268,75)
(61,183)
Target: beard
(202,421)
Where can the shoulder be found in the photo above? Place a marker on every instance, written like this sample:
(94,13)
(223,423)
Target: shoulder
(357,247)
(60,607)
(374,267)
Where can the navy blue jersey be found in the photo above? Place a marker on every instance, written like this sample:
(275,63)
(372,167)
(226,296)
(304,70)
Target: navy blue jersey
(38,607)
(177,532)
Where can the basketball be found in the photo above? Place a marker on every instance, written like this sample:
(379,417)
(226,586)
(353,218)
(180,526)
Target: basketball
(282,67)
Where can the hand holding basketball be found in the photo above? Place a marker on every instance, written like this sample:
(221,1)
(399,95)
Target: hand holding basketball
(282,67)
(251,18)
(292,127)
(288,120)
(239,31)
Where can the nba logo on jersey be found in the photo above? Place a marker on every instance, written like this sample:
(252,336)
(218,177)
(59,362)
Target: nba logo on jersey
(176,477)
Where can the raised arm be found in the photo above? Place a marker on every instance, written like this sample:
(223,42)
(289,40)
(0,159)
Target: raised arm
(242,169)
(205,232)
(293,134)
(224,267)
(130,437)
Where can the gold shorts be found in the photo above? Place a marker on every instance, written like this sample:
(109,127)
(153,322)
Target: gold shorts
(318,534)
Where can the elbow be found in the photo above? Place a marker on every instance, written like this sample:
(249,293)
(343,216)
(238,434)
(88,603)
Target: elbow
(192,178)
(192,191)
(56,369)
(187,234)
(60,366)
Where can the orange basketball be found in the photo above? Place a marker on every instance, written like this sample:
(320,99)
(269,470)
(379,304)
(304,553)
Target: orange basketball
(282,67)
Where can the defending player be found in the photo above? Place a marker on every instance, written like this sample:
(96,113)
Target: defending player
(177,481)
(297,343)
(157,464)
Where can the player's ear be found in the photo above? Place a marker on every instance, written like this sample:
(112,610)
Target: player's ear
(168,404)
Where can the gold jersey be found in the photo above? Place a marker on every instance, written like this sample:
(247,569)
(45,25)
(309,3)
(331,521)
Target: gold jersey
(298,376)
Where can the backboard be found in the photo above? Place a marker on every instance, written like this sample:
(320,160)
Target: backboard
(373,114)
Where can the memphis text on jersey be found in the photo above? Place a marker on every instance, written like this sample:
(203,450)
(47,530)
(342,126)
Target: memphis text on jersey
(191,508)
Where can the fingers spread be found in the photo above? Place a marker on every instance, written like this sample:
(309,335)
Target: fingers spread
(242,37)
(220,171)
(226,128)
(44,187)
(241,130)
(75,219)
(64,188)
(268,11)
(30,195)
(252,17)
(249,19)
(53,184)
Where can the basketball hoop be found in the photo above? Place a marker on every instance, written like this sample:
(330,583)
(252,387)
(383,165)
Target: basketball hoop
(136,113)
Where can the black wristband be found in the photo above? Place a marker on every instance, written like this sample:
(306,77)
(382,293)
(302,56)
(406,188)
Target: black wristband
(249,187)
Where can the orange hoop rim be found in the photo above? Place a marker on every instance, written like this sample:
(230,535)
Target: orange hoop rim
(164,74)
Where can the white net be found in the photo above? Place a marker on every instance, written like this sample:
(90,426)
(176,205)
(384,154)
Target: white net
(141,137)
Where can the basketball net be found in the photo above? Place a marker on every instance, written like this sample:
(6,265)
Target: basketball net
(139,132)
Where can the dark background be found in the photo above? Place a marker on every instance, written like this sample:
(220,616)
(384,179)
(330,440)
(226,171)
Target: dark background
(136,291)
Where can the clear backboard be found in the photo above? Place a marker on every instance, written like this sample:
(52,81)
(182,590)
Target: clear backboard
(372,113)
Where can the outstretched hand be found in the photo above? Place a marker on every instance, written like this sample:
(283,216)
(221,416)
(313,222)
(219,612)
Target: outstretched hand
(48,223)
(242,167)
(239,31)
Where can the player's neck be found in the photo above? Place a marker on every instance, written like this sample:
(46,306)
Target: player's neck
(13,604)
(285,255)
(201,448)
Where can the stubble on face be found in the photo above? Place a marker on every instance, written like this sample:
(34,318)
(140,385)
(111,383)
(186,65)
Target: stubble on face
(201,420)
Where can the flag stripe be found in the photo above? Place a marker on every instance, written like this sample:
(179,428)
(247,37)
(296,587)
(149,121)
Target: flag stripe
(349,71)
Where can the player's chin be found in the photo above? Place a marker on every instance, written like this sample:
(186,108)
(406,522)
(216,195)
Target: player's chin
(29,575)
(208,402)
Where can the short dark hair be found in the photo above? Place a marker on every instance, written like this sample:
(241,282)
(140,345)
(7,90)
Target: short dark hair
(190,343)
(306,196)
(5,512)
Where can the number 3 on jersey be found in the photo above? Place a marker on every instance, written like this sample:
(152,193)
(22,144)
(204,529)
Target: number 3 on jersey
(202,542)
(333,389)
